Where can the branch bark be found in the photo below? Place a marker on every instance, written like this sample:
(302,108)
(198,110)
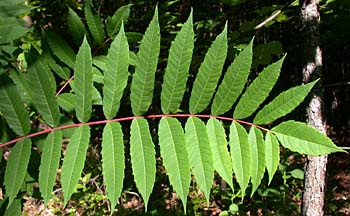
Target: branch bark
(315,168)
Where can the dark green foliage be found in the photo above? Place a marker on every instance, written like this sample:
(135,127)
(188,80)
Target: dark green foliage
(128,68)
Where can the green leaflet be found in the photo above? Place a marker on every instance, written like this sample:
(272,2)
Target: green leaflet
(100,62)
(142,157)
(146,64)
(74,160)
(67,100)
(209,74)
(218,144)
(283,104)
(263,53)
(12,9)
(75,26)
(240,155)
(10,29)
(83,82)
(15,208)
(199,154)
(304,139)
(257,150)
(116,74)
(233,82)
(97,76)
(94,22)
(16,168)
(61,49)
(43,92)
(96,96)
(119,17)
(12,107)
(5,134)
(50,160)
(297,173)
(19,79)
(172,144)
(272,154)
(64,73)
(258,91)
(113,160)
(132,58)
(134,37)
(176,72)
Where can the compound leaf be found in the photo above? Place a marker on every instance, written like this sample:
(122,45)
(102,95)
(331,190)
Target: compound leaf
(283,104)
(143,160)
(94,22)
(304,139)
(233,82)
(199,154)
(50,160)
(83,82)
(209,74)
(257,150)
(240,155)
(172,144)
(218,144)
(43,89)
(113,160)
(115,74)
(74,160)
(176,72)
(16,168)
(61,49)
(146,64)
(258,91)
(12,107)
(272,154)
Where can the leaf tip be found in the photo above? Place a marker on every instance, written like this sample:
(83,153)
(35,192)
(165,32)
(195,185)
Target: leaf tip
(252,41)
(122,27)
(156,12)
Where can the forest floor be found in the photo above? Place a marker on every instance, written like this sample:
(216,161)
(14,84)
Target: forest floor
(338,178)
(338,184)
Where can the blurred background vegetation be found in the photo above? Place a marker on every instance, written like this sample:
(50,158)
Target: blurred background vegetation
(272,39)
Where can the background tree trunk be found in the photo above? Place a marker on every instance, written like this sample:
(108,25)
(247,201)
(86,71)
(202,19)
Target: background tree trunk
(315,169)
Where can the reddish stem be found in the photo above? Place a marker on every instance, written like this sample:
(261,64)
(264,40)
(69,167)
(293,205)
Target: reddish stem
(130,118)
(64,86)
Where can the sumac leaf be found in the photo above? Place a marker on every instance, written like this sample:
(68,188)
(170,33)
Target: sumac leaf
(113,163)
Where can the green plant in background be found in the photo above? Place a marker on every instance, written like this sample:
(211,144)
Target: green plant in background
(15,30)
(196,146)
